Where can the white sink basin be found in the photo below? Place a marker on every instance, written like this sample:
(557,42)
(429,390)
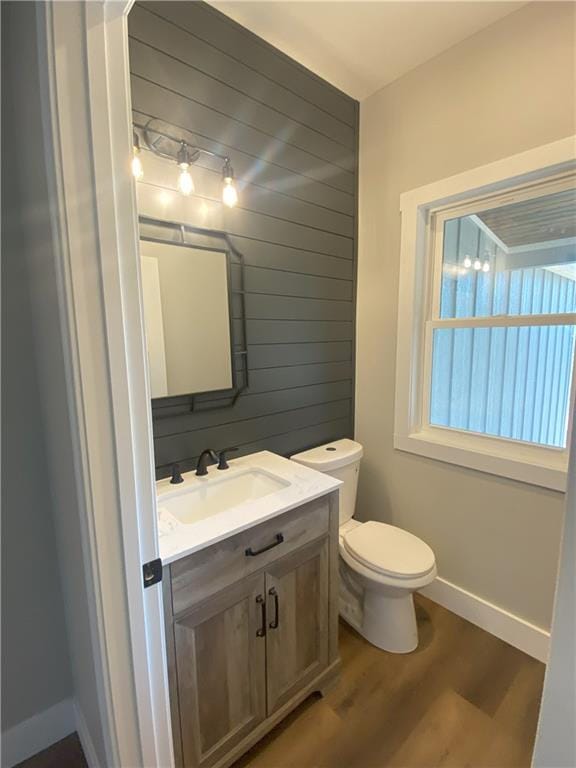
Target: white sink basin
(217,495)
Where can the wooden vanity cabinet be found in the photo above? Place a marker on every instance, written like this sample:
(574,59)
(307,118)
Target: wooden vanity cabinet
(240,657)
(298,613)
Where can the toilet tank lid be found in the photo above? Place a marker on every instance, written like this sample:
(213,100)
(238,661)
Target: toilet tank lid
(331,456)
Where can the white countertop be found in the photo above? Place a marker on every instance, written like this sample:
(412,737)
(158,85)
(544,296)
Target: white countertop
(178,539)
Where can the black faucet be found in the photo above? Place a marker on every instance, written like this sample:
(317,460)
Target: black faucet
(176,475)
(202,465)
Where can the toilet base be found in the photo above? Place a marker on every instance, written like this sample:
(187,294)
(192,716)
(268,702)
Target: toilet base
(385,616)
(389,621)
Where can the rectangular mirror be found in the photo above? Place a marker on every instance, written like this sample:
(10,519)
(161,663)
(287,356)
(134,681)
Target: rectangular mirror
(187,318)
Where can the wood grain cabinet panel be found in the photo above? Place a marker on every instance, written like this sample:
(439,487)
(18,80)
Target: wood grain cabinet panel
(204,573)
(220,660)
(297,641)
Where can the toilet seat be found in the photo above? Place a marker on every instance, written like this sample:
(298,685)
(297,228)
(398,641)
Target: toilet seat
(388,550)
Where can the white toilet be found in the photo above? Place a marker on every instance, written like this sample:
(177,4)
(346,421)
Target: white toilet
(380,565)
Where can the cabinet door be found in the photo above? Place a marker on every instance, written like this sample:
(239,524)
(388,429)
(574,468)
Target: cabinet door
(220,650)
(297,614)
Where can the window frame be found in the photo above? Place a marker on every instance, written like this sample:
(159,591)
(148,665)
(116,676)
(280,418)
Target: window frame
(423,212)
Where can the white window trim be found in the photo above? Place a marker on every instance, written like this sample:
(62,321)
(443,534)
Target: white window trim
(525,462)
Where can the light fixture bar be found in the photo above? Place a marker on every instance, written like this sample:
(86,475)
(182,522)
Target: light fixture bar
(184,157)
(151,144)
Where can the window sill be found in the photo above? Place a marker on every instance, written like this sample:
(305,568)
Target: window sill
(525,463)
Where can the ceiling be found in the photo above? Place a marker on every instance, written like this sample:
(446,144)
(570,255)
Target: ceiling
(542,219)
(362,46)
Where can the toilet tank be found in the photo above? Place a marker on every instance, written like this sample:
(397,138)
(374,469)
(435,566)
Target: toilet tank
(340,459)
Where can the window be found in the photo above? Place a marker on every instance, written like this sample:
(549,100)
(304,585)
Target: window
(485,371)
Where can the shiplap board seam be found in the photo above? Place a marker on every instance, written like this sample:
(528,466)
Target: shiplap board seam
(203,164)
(223,68)
(249,133)
(246,96)
(332,430)
(339,371)
(299,272)
(272,436)
(344,172)
(256,428)
(277,434)
(304,238)
(258,71)
(158,405)
(333,288)
(249,265)
(292,296)
(281,56)
(299,248)
(295,320)
(237,422)
(197,195)
(291,343)
(296,365)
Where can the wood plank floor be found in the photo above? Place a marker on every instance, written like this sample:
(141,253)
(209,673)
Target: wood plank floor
(464,699)
(66,753)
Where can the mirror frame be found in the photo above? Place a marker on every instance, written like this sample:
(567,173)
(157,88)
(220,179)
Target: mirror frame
(172,233)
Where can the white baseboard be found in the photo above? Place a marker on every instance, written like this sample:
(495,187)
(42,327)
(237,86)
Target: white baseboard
(85,738)
(37,733)
(512,629)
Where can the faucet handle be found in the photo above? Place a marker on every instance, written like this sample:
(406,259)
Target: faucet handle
(176,475)
(222,463)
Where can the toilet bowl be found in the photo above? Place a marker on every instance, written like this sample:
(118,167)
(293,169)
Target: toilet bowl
(380,565)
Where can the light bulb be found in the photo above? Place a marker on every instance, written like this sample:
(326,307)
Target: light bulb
(477,265)
(486,266)
(137,169)
(185,183)
(467,262)
(229,193)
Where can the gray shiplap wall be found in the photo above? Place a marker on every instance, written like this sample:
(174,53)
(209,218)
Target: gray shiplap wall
(293,142)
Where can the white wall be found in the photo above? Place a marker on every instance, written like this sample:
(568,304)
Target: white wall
(508,88)
(35,662)
(42,662)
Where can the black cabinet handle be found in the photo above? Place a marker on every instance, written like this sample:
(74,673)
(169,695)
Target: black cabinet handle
(261,602)
(279,538)
(274,624)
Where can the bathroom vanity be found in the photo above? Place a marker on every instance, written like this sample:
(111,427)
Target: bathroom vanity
(250,584)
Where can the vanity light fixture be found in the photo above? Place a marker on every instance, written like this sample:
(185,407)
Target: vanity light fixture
(185,156)
(185,182)
(137,170)
(479,266)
